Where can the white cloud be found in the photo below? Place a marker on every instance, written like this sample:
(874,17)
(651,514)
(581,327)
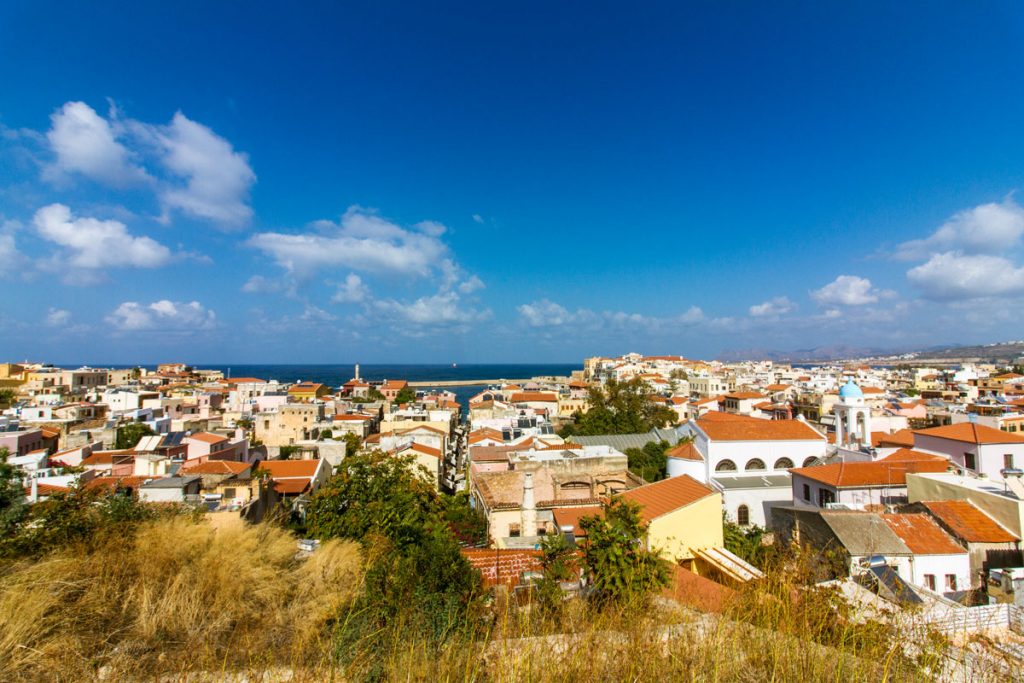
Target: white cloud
(848,290)
(10,257)
(192,169)
(217,178)
(545,313)
(313,314)
(477,218)
(258,284)
(352,291)
(92,243)
(471,284)
(161,315)
(985,229)
(957,276)
(443,308)
(85,143)
(780,305)
(361,241)
(57,317)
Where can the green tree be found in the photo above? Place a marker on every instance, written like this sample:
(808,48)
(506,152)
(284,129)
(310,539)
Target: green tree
(621,408)
(650,462)
(7,396)
(747,543)
(352,444)
(129,435)
(558,563)
(621,570)
(13,507)
(406,395)
(417,581)
(326,434)
(467,522)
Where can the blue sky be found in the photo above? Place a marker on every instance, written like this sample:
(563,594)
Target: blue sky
(484,182)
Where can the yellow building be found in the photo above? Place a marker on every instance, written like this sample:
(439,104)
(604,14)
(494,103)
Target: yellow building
(682,515)
(308,391)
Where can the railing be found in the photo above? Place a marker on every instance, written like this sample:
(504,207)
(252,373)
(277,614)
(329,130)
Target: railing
(979,618)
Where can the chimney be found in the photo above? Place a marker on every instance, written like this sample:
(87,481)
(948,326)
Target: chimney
(529,509)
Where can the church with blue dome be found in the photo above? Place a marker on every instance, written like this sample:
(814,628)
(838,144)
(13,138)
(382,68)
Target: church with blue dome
(853,417)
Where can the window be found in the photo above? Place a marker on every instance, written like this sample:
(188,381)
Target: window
(783,464)
(807,492)
(229,493)
(743,515)
(811,462)
(725,466)
(755,465)
(825,497)
(513,530)
(1008,461)
(969,461)
(929,581)
(950,582)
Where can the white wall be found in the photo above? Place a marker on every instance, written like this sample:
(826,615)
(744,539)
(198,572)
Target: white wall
(759,502)
(940,565)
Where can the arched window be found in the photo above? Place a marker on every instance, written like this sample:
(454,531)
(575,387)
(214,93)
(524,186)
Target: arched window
(743,515)
(756,465)
(811,462)
(783,464)
(725,466)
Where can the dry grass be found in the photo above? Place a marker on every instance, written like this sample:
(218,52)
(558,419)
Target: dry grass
(179,597)
(184,601)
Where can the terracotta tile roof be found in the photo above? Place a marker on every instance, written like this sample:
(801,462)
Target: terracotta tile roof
(971,433)
(490,453)
(861,474)
(571,516)
(426,450)
(113,482)
(907,454)
(422,428)
(743,395)
(285,469)
(106,457)
(538,396)
(778,387)
(483,434)
(664,496)
(759,430)
(207,437)
(288,487)
(502,565)
(698,592)
(396,384)
(717,416)
(304,387)
(216,467)
(902,438)
(352,418)
(244,380)
(685,451)
(968,522)
(46,489)
(922,535)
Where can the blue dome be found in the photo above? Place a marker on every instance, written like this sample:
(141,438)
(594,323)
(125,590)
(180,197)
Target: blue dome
(850,390)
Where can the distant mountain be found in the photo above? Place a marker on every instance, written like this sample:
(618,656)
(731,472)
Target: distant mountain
(998,352)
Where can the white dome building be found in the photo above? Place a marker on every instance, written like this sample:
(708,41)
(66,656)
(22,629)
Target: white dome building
(853,418)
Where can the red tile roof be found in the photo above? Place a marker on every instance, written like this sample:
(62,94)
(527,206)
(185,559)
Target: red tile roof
(903,437)
(538,396)
(288,487)
(571,516)
(861,474)
(698,592)
(502,565)
(965,520)
(664,496)
(207,437)
(922,535)
(907,454)
(285,469)
(216,467)
(685,451)
(971,433)
(758,430)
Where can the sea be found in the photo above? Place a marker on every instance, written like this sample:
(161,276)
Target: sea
(336,375)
